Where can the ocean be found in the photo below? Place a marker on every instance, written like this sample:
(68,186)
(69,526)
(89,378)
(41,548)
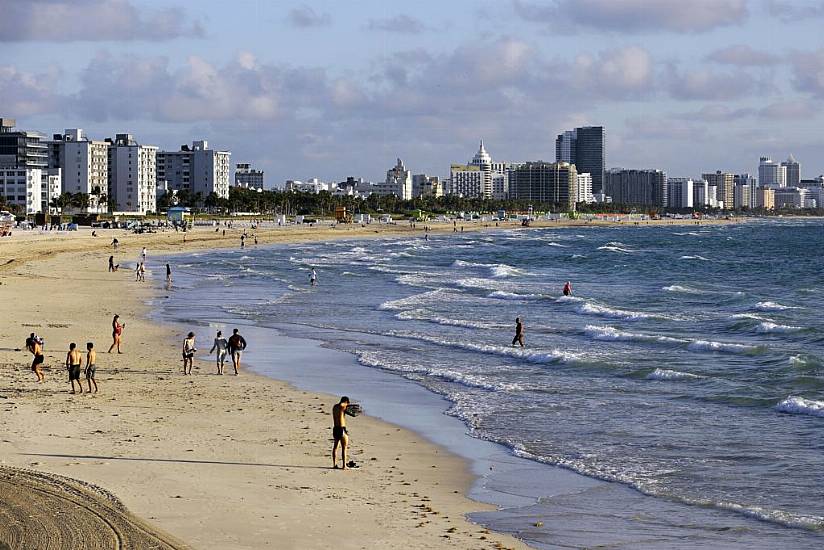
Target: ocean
(687,367)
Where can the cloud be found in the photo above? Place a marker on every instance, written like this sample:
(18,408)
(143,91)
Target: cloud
(635,15)
(706,84)
(714,113)
(789,12)
(808,72)
(25,94)
(398,24)
(743,56)
(792,109)
(91,20)
(306,17)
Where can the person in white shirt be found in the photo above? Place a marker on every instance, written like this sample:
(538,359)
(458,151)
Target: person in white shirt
(221,345)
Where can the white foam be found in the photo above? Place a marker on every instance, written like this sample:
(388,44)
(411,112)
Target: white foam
(752,316)
(416,300)
(709,345)
(773,306)
(769,327)
(544,356)
(424,315)
(603,311)
(682,289)
(799,405)
(613,334)
(613,248)
(503,270)
(696,257)
(485,284)
(503,295)
(668,374)
(557,245)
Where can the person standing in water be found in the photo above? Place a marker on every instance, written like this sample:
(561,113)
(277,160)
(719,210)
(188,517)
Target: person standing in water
(339,433)
(221,345)
(568,289)
(189,350)
(117,331)
(519,332)
(168,274)
(91,367)
(74,359)
(313,277)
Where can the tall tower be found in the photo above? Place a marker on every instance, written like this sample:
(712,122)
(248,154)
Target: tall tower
(483,161)
(793,172)
(585,147)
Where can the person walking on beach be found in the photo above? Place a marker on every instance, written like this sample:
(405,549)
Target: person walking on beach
(91,367)
(74,360)
(519,332)
(141,272)
(115,243)
(568,289)
(35,347)
(111,264)
(168,274)
(117,331)
(339,433)
(236,346)
(143,254)
(313,277)
(221,345)
(189,350)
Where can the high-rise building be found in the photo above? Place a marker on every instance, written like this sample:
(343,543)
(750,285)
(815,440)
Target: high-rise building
(21,148)
(84,165)
(766,198)
(680,193)
(585,148)
(637,187)
(247,177)
(792,172)
(742,198)
(700,193)
(585,188)
(132,175)
(790,197)
(398,182)
(196,169)
(545,182)
(426,186)
(771,174)
(724,183)
(751,182)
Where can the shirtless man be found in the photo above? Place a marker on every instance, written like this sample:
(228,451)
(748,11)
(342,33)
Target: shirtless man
(236,346)
(73,361)
(91,367)
(189,350)
(33,345)
(519,332)
(339,432)
(221,345)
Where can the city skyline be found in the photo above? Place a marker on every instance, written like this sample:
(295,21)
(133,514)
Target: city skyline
(311,90)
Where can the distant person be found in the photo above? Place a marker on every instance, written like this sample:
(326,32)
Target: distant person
(168,274)
(243,241)
(339,433)
(189,350)
(568,289)
(137,271)
(313,277)
(35,347)
(94,233)
(91,367)
(115,243)
(143,254)
(74,360)
(111,264)
(236,346)
(222,346)
(141,272)
(117,331)
(255,237)
(519,332)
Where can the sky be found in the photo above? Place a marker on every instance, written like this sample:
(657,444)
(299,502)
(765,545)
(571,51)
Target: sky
(332,89)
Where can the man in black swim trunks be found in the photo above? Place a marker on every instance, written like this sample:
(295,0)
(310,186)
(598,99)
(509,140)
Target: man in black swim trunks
(519,332)
(34,345)
(339,433)
(74,360)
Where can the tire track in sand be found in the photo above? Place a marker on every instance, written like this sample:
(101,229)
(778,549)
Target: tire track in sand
(47,511)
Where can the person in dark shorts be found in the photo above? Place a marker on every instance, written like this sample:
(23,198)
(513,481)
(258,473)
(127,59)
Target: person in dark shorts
(91,368)
(568,289)
(35,347)
(189,350)
(74,359)
(339,433)
(236,346)
(519,332)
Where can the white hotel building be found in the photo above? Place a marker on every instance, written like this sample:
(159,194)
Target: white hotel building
(132,175)
(84,165)
(196,169)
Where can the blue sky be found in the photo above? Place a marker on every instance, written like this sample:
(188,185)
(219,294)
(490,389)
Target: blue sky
(331,89)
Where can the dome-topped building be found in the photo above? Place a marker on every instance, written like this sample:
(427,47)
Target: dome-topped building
(481,158)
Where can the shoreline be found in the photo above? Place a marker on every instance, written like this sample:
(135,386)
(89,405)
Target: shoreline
(147,437)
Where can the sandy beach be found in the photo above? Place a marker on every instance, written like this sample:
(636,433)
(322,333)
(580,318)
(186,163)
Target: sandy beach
(166,461)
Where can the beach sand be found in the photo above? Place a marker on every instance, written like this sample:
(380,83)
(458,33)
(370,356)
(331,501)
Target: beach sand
(204,461)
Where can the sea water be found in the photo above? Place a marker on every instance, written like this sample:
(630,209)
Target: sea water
(688,365)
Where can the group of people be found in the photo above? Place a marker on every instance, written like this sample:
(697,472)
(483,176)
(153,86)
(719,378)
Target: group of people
(233,347)
(74,362)
(519,325)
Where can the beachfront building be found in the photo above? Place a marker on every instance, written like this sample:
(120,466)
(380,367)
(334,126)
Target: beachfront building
(792,172)
(312,185)
(742,197)
(771,174)
(84,165)
(32,190)
(637,187)
(765,197)
(680,192)
(700,190)
(584,188)
(132,181)
(21,148)
(545,182)
(585,148)
(468,181)
(398,182)
(198,169)
(724,183)
(247,177)
(426,186)
(747,179)
(790,197)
